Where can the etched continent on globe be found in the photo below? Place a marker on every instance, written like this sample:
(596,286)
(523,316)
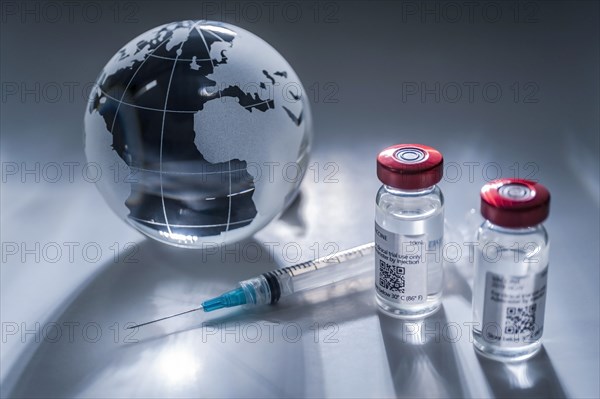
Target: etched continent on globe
(194,114)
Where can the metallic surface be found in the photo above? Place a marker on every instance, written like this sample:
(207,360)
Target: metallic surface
(332,342)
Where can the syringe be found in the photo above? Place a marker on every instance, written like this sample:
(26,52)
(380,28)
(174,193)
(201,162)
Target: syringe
(269,287)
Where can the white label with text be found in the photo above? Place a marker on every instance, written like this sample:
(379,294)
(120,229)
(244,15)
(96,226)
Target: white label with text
(401,266)
(513,311)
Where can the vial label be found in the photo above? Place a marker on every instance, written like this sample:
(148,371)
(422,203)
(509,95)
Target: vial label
(513,310)
(401,266)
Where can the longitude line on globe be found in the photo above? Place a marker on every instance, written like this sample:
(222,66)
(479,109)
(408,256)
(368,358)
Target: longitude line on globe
(228,162)
(214,34)
(128,84)
(162,129)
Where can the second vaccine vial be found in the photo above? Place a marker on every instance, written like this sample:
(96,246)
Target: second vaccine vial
(409,226)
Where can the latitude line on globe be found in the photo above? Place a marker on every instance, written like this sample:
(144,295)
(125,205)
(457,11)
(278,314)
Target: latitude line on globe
(186,173)
(191,225)
(257,104)
(169,110)
(180,59)
(142,107)
(162,128)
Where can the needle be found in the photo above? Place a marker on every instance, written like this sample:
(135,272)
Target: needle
(165,318)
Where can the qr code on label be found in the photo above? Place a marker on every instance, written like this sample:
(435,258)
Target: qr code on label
(520,320)
(391,277)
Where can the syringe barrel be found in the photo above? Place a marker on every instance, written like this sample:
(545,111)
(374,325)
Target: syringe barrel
(317,273)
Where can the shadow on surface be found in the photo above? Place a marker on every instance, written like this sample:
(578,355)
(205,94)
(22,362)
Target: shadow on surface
(334,304)
(421,357)
(533,378)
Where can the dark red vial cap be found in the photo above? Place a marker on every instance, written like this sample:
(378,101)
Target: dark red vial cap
(515,203)
(410,166)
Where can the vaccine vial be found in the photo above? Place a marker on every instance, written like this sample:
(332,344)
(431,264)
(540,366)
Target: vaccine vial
(409,226)
(509,292)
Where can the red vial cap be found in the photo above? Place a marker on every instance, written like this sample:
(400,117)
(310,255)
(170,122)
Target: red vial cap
(515,203)
(410,166)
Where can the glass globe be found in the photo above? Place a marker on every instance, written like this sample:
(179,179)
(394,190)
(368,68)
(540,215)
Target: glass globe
(201,131)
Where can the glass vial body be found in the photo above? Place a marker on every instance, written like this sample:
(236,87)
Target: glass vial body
(509,290)
(409,228)
(411,224)
(511,271)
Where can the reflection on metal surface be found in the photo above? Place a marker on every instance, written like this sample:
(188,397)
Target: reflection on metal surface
(518,377)
(177,366)
(535,377)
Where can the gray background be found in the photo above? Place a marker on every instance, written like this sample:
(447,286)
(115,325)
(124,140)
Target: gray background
(356,59)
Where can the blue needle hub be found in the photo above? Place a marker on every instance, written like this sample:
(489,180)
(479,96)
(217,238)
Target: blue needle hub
(229,299)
